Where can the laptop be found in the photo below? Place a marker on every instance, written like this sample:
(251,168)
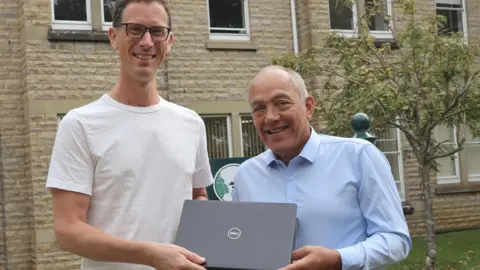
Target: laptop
(239,235)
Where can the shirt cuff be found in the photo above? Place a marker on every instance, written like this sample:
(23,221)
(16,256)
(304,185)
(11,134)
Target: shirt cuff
(353,257)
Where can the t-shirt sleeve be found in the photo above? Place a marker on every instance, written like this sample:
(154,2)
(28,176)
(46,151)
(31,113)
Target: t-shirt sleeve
(71,165)
(202,177)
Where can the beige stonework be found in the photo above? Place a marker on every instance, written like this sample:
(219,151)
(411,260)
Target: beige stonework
(41,79)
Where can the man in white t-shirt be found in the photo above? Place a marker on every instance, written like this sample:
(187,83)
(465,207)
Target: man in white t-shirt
(123,165)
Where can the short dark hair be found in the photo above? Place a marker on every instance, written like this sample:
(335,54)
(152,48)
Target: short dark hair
(118,6)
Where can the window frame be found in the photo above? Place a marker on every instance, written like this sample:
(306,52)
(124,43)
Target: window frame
(226,36)
(463,9)
(385,34)
(461,164)
(241,116)
(229,130)
(399,153)
(345,32)
(105,25)
(472,177)
(72,25)
(356,14)
(451,179)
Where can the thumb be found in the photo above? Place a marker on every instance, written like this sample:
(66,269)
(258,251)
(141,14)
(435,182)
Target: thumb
(191,256)
(300,253)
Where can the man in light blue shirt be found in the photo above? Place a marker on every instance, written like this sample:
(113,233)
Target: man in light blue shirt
(349,210)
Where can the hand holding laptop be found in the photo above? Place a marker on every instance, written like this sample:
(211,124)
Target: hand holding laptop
(172,257)
(311,257)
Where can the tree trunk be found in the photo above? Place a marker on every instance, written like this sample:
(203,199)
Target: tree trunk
(430,263)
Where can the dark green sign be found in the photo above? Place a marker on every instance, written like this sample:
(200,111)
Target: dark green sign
(223,171)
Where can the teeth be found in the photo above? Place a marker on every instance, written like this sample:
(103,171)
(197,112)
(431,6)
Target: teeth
(273,131)
(144,57)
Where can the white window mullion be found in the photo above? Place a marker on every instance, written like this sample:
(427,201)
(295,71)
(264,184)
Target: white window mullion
(401,174)
(229,137)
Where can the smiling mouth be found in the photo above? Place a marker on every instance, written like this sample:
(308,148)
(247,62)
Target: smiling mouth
(275,131)
(143,56)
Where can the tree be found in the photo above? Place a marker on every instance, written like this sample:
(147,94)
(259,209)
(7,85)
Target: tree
(431,79)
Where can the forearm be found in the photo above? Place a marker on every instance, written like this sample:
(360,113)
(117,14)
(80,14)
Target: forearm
(379,250)
(199,194)
(86,241)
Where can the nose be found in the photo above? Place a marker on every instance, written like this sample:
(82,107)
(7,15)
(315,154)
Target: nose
(271,115)
(146,40)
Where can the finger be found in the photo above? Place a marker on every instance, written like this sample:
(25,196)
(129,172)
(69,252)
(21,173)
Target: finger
(192,266)
(191,256)
(301,253)
(298,265)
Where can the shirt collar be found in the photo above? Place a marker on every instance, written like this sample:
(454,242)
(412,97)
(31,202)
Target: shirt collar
(309,151)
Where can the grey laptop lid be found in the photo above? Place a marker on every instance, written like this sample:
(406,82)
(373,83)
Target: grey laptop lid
(239,235)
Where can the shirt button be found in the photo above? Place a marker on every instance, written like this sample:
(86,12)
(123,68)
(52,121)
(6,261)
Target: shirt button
(290,178)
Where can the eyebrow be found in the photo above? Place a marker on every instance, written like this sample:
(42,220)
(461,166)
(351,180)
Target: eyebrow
(277,96)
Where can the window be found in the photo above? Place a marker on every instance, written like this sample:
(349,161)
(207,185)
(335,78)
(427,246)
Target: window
(251,143)
(345,19)
(472,157)
(71,14)
(342,17)
(454,12)
(228,19)
(449,167)
(76,14)
(107,6)
(219,138)
(462,166)
(389,142)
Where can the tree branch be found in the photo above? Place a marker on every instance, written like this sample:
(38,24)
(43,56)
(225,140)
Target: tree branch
(459,112)
(433,157)
(434,149)
(344,77)
(456,100)
(408,134)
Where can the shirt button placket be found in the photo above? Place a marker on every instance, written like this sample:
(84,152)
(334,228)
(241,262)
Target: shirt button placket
(290,189)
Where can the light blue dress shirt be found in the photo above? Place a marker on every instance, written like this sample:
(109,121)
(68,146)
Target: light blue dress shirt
(346,196)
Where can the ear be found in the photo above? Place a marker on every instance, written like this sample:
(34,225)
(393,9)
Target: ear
(169,43)
(310,105)
(112,36)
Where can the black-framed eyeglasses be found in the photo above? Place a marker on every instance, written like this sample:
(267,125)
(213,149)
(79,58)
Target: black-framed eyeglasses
(137,31)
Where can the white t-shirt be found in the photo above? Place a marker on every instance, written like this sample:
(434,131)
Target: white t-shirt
(138,164)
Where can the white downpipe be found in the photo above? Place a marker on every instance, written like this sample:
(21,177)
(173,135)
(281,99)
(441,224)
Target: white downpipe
(294,26)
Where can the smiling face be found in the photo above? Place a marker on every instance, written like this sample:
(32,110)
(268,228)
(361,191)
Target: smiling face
(280,115)
(140,57)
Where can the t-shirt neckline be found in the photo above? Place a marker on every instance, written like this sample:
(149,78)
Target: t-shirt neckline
(136,109)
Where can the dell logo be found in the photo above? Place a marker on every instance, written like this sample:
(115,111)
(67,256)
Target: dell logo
(234,233)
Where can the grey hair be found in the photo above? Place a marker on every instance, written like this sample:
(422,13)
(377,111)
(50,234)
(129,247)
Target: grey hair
(295,79)
(118,6)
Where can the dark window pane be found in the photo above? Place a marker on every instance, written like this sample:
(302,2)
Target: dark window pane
(341,17)
(377,15)
(107,7)
(226,14)
(453,22)
(70,10)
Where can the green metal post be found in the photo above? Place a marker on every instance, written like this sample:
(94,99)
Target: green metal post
(361,126)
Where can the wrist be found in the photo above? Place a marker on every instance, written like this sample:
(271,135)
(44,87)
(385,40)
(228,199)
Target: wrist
(144,253)
(338,259)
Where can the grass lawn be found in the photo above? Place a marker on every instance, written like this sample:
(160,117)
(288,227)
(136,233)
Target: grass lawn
(455,251)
